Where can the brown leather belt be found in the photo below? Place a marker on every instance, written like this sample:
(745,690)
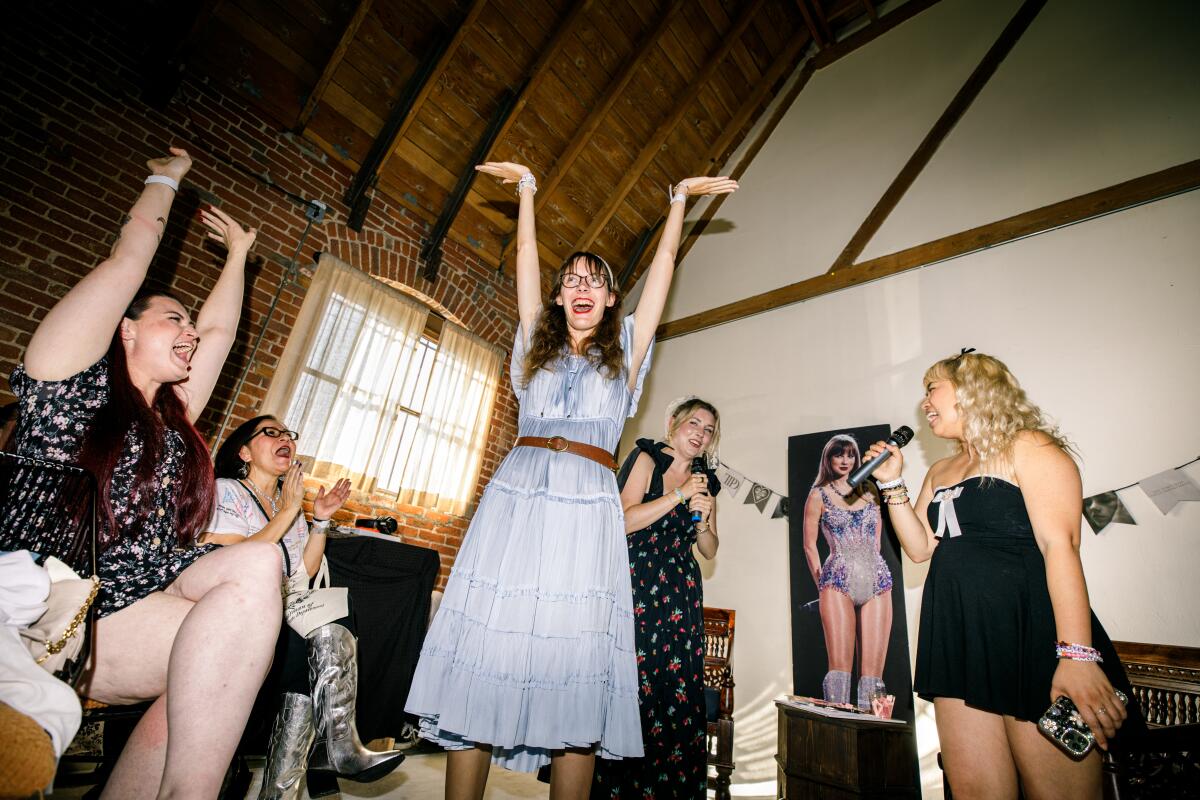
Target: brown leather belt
(560,445)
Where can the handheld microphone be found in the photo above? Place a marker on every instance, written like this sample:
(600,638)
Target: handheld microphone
(386,525)
(900,437)
(698,468)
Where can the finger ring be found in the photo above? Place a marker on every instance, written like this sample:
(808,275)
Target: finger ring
(1100,711)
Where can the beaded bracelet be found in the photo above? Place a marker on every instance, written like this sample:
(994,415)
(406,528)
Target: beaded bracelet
(527,180)
(1077,652)
(891,484)
(901,500)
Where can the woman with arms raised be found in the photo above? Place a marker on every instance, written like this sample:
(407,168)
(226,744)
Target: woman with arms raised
(114,381)
(1001,521)
(530,657)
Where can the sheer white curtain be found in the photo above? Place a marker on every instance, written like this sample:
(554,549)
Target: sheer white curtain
(441,467)
(355,348)
(378,401)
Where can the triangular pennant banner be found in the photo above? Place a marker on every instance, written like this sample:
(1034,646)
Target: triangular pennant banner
(781,510)
(731,482)
(758,496)
(1102,509)
(1169,488)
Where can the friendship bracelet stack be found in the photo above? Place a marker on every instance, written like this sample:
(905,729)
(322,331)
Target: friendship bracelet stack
(676,194)
(679,496)
(1076,652)
(895,493)
(527,180)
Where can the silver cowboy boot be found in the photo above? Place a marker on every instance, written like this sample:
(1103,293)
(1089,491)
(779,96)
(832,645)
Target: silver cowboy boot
(291,736)
(333,676)
(836,686)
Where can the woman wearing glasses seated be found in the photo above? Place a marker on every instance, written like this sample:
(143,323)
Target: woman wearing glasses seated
(260,491)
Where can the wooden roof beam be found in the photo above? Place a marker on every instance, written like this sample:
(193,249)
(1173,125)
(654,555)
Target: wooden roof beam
(541,67)
(872,14)
(729,40)
(811,23)
(641,51)
(331,66)
(1119,197)
(819,61)
(413,97)
(941,129)
(785,63)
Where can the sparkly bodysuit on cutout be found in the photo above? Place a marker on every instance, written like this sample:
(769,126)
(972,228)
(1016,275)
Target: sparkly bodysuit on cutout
(854,567)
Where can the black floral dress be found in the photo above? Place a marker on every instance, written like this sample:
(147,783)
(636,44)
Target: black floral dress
(146,556)
(668,609)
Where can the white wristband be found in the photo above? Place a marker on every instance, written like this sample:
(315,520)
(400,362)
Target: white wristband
(318,525)
(164,180)
(676,195)
(890,484)
(527,180)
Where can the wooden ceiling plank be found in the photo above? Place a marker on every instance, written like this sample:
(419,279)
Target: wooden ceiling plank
(651,148)
(443,61)
(784,64)
(541,68)
(872,14)
(1160,185)
(332,64)
(641,51)
(816,33)
(822,20)
(921,157)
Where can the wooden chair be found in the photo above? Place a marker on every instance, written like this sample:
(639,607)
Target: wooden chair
(718,689)
(1165,762)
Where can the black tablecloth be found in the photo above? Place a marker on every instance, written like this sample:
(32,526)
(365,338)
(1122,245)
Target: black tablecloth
(390,585)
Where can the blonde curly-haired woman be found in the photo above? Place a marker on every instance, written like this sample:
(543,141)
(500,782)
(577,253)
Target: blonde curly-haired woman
(1006,627)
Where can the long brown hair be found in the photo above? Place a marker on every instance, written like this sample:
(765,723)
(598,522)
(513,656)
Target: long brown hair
(125,412)
(551,337)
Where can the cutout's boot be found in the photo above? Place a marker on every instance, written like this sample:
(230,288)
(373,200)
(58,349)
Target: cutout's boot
(291,736)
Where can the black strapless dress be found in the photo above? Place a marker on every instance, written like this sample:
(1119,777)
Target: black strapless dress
(987,631)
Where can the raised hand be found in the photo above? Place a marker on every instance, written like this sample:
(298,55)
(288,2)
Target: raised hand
(173,166)
(223,229)
(291,496)
(702,185)
(326,504)
(506,171)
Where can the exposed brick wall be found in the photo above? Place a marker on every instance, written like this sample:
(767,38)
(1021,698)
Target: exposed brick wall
(75,134)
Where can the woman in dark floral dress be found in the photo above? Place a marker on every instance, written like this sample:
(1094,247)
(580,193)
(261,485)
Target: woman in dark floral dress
(660,492)
(114,381)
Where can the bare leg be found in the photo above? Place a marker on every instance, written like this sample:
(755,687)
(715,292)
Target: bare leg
(207,641)
(467,773)
(978,763)
(837,619)
(571,775)
(1046,773)
(876,617)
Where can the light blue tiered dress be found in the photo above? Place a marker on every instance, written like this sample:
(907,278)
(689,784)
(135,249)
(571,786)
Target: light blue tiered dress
(532,650)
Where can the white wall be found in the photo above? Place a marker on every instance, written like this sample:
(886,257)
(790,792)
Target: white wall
(1099,320)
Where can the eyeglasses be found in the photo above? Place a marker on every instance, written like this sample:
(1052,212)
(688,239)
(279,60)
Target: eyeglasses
(275,433)
(571,280)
